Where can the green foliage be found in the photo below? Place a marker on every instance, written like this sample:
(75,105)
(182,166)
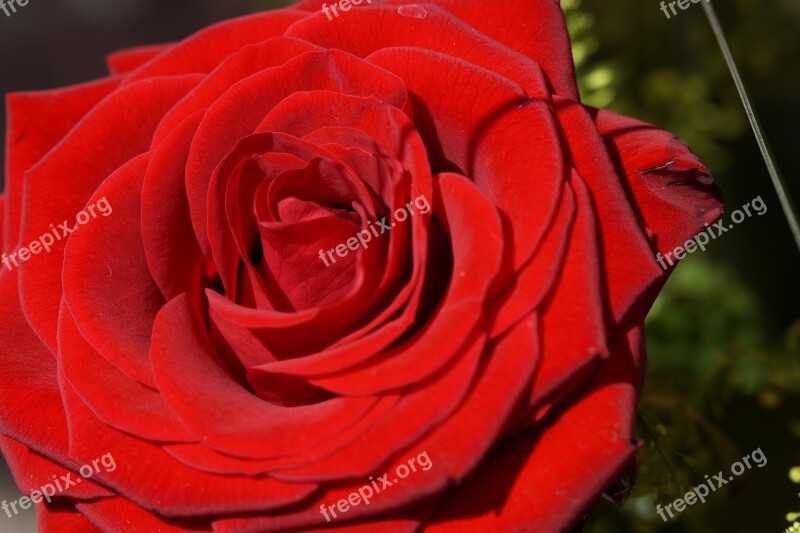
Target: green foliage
(712,373)
(668,72)
(595,78)
(794,475)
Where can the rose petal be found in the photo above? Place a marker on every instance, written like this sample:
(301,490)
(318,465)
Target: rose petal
(119,514)
(627,260)
(134,109)
(112,296)
(37,121)
(114,397)
(420,410)
(33,471)
(203,51)
(538,277)
(149,477)
(173,257)
(124,61)
(30,391)
(493,133)
(251,99)
(543,36)
(62,520)
(245,62)
(232,208)
(673,190)
(259,429)
(438,31)
(574,332)
(456,203)
(525,479)
(208,460)
(455,448)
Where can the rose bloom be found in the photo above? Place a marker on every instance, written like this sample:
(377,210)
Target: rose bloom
(246,380)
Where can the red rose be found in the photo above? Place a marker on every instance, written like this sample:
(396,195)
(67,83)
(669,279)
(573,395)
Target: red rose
(217,323)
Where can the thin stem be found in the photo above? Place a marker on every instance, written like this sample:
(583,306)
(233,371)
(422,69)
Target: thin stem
(777,179)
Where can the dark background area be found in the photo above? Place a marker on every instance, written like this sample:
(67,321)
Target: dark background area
(724,339)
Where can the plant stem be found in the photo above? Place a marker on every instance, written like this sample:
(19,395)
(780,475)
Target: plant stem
(778,182)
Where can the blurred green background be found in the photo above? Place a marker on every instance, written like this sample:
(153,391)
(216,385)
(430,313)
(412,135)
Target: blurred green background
(724,338)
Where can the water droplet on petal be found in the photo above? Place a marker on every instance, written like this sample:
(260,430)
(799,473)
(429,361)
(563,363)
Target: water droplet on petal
(413,11)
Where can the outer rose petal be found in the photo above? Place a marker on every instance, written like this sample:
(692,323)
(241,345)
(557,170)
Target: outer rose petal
(63,520)
(534,27)
(206,49)
(32,471)
(114,397)
(113,298)
(626,260)
(260,430)
(148,476)
(456,447)
(439,31)
(573,332)
(28,382)
(671,188)
(37,121)
(134,109)
(530,484)
(120,514)
(124,61)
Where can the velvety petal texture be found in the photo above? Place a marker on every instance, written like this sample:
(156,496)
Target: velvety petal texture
(315,252)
